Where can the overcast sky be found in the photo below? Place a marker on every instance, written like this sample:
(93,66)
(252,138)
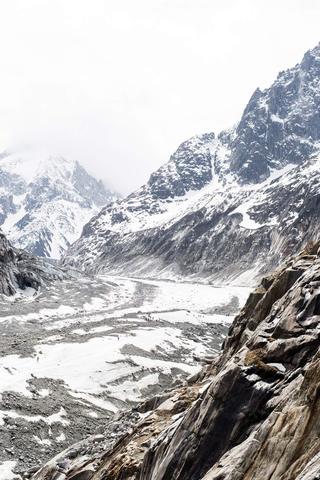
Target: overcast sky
(118,84)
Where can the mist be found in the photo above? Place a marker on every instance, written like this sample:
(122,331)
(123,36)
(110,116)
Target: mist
(119,84)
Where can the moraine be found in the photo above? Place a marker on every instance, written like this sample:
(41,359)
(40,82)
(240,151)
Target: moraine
(91,355)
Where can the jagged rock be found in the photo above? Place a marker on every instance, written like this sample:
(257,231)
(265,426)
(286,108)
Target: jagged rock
(239,202)
(189,168)
(20,270)
(252,414)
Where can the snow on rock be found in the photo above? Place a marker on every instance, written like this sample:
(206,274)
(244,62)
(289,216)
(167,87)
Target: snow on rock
(22,275)
(224,204)
(58,417)
(45,201)
(6,470)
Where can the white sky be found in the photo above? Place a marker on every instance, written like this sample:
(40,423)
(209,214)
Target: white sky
(118,84)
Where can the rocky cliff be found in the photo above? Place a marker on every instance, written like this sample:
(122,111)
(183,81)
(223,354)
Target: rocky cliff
(251,414)
(22,273)
(225,204)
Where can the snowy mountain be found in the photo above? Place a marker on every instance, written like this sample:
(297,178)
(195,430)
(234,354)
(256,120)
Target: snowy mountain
(45,201)
(227,205)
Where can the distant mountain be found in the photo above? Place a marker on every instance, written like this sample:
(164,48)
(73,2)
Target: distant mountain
(227,205)
(45,202)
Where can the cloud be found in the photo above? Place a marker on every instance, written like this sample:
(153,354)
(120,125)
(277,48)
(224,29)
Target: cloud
(119,84)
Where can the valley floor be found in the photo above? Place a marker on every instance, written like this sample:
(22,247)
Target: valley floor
(77,354)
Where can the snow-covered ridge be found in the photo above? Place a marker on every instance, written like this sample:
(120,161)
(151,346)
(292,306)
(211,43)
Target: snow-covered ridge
(46,200)
(223,204)
(146,209)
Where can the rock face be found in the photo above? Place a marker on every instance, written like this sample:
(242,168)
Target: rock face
(21,272)
(189,168)
(253,414)
(242,200)
(44,202)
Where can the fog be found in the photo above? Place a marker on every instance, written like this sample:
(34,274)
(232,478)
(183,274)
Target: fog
(118,84)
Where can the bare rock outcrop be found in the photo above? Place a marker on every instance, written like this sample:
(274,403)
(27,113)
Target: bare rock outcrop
(19,270)
(252,414)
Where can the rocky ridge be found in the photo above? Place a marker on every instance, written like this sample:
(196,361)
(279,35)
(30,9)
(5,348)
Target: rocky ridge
(242,200)
(252,413)
(22,274)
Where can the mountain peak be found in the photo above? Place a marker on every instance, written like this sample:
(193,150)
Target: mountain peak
(46,200)
(311,60)
(57,166)
(315,51)
(192,216)
(189,168)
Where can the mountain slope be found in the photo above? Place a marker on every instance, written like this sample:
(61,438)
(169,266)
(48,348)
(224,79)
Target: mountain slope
(223,205)
(45,202)
(250,415)
(22,274)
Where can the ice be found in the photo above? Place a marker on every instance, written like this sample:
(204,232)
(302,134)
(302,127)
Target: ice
(130,331)
(278,366)
(44,392)
(61,437)
(247,222)
(81,352)
(6,470)
(42,441)
(84,367)
(59,417)
(276,118)
(192,317)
